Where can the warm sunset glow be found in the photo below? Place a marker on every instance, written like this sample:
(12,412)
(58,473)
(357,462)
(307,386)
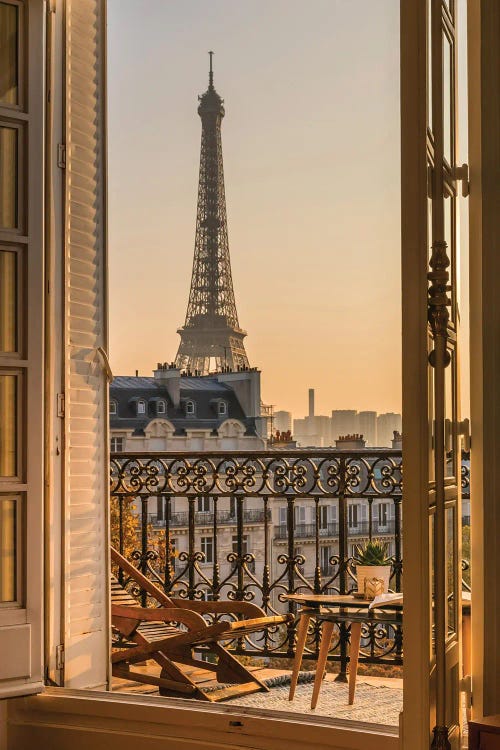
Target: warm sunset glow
(311,159)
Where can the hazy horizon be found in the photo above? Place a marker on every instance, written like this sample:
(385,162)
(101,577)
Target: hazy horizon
(311,160)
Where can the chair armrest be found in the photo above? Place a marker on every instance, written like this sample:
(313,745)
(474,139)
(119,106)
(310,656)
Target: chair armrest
(122,614)
(248,609)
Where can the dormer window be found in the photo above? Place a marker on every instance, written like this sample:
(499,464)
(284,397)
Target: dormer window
(190,407)
(113,409)
(161,407)
(141,406)
(222,408)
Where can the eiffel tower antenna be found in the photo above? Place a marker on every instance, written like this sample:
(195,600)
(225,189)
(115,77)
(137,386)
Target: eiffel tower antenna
(211,330)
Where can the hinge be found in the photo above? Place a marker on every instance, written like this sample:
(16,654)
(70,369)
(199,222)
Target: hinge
(464,430)
(61,155)
(60,405)
(462,173)
(60,656)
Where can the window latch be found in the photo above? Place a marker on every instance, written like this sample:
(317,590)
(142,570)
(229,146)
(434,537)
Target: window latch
(462,174)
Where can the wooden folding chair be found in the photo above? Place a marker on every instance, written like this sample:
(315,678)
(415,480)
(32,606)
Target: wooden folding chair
(169,633)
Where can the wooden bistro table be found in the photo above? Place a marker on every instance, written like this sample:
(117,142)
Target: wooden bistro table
(333,610)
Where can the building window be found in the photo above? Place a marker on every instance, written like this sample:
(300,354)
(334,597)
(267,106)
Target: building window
(300,515)
(116,444)
(233,507)
(245,544)
(189,407)
(161,407)
(112,407)
(207,547)
(325,554)
(323,518)
(353,515)
(383,514)
(204,505)
(222,408)
(141,407)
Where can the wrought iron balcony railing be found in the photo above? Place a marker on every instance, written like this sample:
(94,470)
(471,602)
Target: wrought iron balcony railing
(253,569)
(249,566)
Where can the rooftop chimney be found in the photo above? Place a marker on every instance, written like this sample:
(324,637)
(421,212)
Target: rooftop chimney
(311,402)
(169,376)
(350,442)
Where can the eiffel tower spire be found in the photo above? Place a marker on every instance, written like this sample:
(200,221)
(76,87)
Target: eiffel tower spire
(211,329)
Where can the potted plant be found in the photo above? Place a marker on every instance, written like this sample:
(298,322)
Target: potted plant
(372,561)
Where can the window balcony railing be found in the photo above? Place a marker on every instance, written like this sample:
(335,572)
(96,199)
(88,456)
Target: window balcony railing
(256,569)
(206,518)
(363,528)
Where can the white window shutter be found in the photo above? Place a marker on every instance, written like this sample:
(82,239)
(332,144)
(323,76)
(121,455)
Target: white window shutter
(86,573)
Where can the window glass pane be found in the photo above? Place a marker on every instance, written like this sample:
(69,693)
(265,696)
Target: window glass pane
(451,571)
(450,242)
(9,64)
(8,302)
(8,426)
(447,99)
(432,416)
(7,550)
(450,459)
(8,178)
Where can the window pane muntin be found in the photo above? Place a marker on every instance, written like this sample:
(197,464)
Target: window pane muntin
(9,464)
(9,301)
(9,54)
(9,170)
(8,549)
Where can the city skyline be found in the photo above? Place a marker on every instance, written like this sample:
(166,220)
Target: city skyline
(311,157)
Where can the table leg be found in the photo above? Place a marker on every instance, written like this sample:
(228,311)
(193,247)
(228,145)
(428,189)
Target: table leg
(353,658)
(299,650)
(324,648)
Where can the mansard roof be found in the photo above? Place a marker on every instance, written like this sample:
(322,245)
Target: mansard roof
(205,392)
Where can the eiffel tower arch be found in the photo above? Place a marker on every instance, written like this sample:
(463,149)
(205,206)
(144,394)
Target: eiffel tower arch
(211,330)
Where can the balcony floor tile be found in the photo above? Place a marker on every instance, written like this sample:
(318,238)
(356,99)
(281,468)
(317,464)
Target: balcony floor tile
(378,700)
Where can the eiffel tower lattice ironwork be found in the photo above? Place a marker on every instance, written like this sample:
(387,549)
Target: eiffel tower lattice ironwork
(211,330)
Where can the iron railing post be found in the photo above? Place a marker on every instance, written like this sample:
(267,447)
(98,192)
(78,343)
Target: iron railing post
(343,562)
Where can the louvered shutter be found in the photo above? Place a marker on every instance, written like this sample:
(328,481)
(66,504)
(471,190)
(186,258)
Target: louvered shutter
(86,643)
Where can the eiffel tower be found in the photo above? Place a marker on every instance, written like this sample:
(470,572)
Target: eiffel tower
(211,330)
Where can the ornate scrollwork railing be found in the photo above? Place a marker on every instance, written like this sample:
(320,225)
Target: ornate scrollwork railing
(263,552)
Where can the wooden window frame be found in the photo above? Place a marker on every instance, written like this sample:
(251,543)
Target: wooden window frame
(24,616)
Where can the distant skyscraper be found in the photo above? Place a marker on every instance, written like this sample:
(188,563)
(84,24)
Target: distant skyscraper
(344,422)
(386,425)
(283,421)
(311,402)
(312,430)
(211,330)
(367,426)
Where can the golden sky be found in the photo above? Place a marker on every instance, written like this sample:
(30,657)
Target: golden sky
(311,160)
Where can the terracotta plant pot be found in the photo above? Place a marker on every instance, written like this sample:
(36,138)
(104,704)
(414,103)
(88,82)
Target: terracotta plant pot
(373,571)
